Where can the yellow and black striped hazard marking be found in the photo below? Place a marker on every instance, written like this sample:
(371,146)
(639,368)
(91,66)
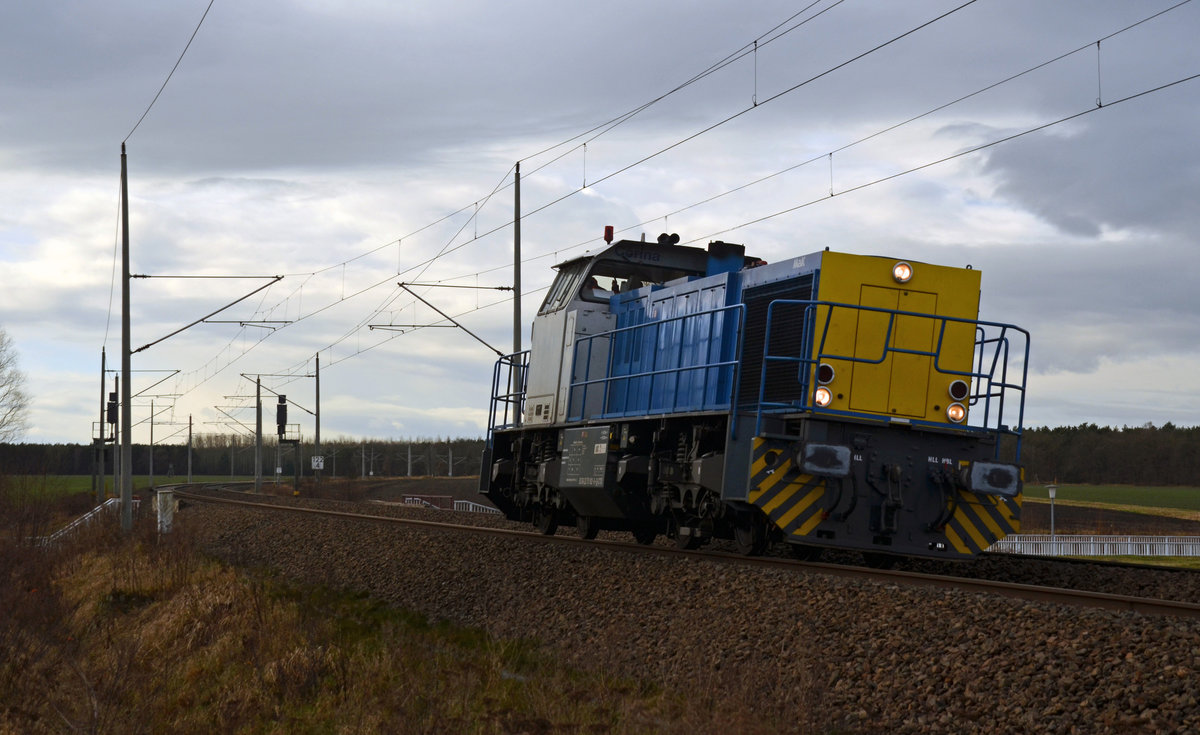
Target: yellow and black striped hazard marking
(981,520)
(794,501)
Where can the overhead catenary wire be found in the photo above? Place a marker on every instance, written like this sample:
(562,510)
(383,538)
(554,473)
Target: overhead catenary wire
(447,249)
(170,74)
(600,129)
(112,286)
(604,127)
(117,242)
(828,154)
(702,131)
(855,188)
(612,123)
(960,154)
(913,169)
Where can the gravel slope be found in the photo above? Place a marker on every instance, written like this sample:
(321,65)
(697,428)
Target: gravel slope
(829,654)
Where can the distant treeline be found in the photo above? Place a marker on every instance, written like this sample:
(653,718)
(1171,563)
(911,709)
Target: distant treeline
(225,455)
(1144,455)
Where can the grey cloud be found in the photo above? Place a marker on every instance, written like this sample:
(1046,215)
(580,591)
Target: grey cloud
(1130,170)
(393,114)
(1085,303)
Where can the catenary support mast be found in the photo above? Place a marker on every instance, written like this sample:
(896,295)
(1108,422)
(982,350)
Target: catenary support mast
(126,397)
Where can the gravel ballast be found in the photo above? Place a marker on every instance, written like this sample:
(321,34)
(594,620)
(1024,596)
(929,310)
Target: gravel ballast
(826,653)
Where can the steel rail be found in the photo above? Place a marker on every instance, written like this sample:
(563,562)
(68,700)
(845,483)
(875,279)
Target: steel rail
(1025,592)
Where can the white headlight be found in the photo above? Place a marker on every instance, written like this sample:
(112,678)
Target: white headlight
(902,272)
(956,412)
(822,396)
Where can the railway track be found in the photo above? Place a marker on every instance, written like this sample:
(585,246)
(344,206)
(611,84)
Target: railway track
(1020,591)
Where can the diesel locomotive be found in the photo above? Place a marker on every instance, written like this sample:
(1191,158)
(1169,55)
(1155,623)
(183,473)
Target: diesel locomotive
(828,401)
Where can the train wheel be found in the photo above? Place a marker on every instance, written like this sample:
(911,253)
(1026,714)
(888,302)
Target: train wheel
(751,534)
(687,537)
(587,526)
(546,521)
(750,537)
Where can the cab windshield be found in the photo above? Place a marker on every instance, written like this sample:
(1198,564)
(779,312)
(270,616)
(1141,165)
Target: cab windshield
(597,281)
(608,277)
(564,286)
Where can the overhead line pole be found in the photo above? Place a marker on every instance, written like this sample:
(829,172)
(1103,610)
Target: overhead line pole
(126,399)
(517,378)
(116,438)
(258,437)
(101,443)
(517,260)
(317,441)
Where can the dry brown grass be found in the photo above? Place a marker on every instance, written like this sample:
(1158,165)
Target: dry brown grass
(132,633)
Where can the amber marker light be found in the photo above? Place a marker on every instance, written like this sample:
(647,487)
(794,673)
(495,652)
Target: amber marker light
(902,272)
(956,412)
(822,396)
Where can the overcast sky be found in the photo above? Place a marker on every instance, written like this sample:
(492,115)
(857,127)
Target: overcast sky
(344,145)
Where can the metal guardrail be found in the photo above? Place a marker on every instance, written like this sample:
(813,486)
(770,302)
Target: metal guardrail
(1060,545)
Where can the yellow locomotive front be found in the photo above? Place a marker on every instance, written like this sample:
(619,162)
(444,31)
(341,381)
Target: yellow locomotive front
(904,436)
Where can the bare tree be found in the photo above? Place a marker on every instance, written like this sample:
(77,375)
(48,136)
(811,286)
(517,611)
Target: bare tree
(14,404)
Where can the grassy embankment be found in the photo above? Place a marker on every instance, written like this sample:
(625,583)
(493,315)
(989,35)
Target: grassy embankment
(1175,502)
(128,633)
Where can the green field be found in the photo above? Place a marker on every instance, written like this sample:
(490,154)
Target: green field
(1179,498)
(58,485)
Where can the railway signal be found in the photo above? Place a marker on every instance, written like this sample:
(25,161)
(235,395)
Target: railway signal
(281,415)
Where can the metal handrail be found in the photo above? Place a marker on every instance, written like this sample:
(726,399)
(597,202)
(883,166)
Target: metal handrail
(510,400)
(608,381)
(996,388)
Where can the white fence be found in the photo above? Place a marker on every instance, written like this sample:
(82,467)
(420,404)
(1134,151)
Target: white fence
(445,502)
(112,505)
(1060,545)
(471,506)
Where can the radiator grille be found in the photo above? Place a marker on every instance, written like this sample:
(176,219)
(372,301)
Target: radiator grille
(787,336)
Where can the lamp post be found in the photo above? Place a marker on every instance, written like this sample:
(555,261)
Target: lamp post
(1052,489)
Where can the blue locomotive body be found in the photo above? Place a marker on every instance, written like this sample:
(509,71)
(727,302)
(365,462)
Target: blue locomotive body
(823,401)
